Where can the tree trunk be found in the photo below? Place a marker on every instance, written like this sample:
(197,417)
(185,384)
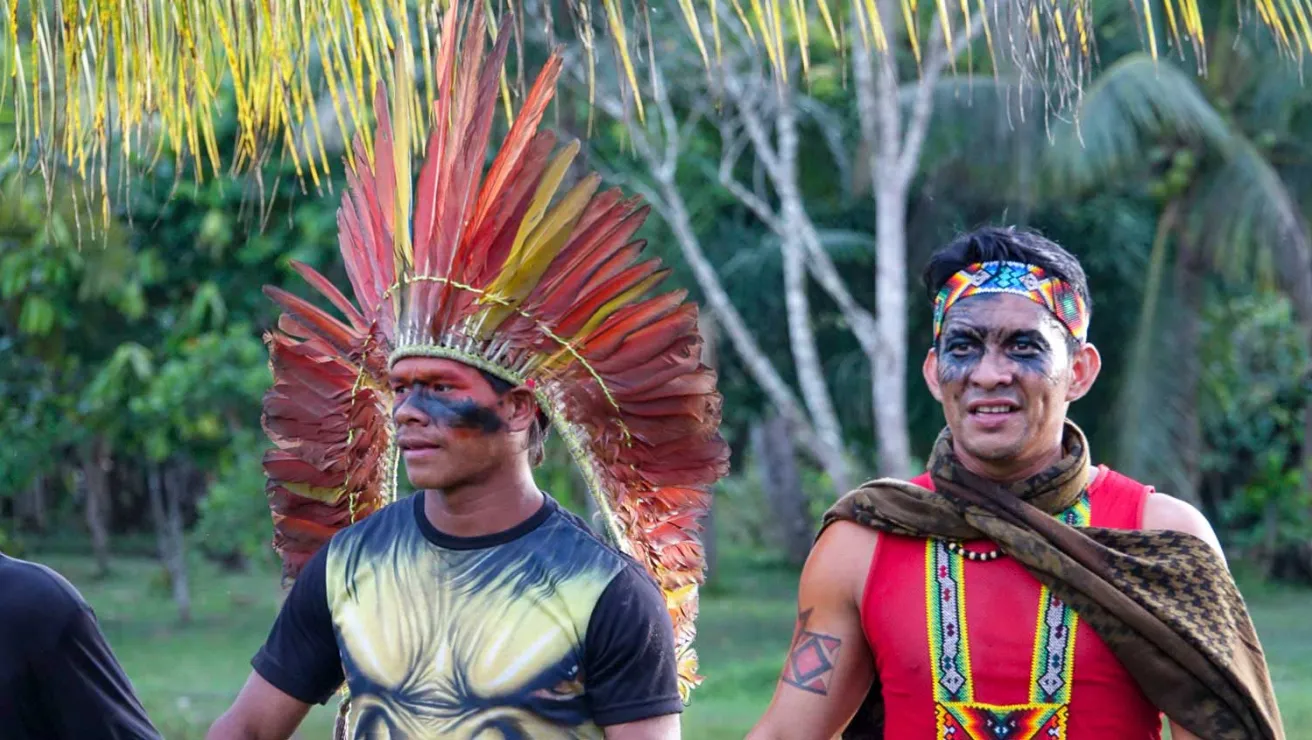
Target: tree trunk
(810,370)
(1189,285)
(166,485)
(96,463)
(880,116)
(754,359)
(776,459)
(1269,552)
(30,507)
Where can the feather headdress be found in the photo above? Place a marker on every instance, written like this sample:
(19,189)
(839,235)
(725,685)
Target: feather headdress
(494,270)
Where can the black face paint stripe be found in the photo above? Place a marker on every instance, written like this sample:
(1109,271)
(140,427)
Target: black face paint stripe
(954,367)
(465,414)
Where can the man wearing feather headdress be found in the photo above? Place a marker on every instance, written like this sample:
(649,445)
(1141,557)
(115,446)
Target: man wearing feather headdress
(483,313)
(1017,591)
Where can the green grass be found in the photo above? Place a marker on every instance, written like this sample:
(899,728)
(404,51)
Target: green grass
(187,676)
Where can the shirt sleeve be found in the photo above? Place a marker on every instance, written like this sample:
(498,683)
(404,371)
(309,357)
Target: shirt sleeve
(630,671)
(300,656)
(83,687)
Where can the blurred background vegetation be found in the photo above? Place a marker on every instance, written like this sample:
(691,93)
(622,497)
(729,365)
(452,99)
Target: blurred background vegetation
(134,365)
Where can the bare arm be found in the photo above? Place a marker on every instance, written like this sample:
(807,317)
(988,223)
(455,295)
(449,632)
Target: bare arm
(829,667)
(665,727)
(1169,513)
(261,712)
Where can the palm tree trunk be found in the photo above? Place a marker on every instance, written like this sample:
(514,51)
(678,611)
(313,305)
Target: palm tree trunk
(1190,282)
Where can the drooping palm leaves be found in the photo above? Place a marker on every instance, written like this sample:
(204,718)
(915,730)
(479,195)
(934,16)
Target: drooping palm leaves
(91,81)
(1235,217)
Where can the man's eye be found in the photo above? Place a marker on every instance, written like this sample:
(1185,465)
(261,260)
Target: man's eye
(958,348)
(1025,347)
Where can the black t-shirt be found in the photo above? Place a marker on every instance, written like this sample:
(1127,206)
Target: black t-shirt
(391,597)
(58,677)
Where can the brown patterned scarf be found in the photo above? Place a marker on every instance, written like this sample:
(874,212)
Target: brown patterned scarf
(1164,602)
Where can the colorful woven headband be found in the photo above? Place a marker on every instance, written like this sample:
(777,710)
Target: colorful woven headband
(1020,279)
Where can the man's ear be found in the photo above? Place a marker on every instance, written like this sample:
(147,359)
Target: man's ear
(1085,366)
(930,370)
(519,409)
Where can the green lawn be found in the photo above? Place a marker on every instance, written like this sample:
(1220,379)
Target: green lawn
(187,676)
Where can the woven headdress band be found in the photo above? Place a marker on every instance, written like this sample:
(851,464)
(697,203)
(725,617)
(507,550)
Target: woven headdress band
(1016,278)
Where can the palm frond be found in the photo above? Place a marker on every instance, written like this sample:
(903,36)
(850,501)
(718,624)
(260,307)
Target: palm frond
(1237,212)
(91,78)
(1132,105)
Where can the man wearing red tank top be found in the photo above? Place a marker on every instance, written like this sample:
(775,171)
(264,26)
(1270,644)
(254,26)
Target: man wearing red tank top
(937,607)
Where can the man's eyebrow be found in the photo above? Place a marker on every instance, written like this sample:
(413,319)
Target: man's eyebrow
(962,327)
(1033,335)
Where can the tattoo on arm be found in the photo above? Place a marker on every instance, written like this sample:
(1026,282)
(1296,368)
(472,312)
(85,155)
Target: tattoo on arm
(811,659)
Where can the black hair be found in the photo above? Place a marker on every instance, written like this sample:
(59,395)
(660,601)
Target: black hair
(537,433)
(1008,244)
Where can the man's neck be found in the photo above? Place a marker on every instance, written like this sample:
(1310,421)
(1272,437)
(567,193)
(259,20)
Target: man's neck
(487,507)
(1008,472)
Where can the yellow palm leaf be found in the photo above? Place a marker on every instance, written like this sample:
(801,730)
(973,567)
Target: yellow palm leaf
(169,60)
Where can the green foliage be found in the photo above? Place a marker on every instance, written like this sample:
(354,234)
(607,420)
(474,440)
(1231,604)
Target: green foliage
(10,544)
(234,515)
(1256,389)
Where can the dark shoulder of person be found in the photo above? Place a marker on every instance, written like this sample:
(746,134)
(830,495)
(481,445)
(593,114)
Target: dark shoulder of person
(59,678)
(38,603)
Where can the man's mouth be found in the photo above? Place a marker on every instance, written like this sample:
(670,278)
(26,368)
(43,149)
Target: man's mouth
(992,409)
(417,445)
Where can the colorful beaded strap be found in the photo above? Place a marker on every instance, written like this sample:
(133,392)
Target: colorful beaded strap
(959,716)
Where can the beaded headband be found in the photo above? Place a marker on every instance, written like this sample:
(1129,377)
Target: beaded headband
(1016,278)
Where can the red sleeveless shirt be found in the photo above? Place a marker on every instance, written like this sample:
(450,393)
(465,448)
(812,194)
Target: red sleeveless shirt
(998,678)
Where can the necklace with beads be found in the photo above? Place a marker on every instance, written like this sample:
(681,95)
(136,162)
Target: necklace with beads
(956,548)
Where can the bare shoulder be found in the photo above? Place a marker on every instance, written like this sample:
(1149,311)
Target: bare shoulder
(1165,512)
(841,558)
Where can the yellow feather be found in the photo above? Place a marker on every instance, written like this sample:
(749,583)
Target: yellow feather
(616,303)
(551,179)
(324,495)
(546,241)
(541,248)
(403,86)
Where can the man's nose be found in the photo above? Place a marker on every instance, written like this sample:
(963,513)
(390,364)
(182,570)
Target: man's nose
(407,412)
(995,369)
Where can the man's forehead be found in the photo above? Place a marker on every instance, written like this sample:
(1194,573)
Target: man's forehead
(428,368)
(1000,311)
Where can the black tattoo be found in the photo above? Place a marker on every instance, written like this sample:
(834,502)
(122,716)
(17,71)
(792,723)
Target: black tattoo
(811,659)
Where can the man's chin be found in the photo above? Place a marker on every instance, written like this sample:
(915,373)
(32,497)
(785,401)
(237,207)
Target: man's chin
(429,481)
(991,451)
